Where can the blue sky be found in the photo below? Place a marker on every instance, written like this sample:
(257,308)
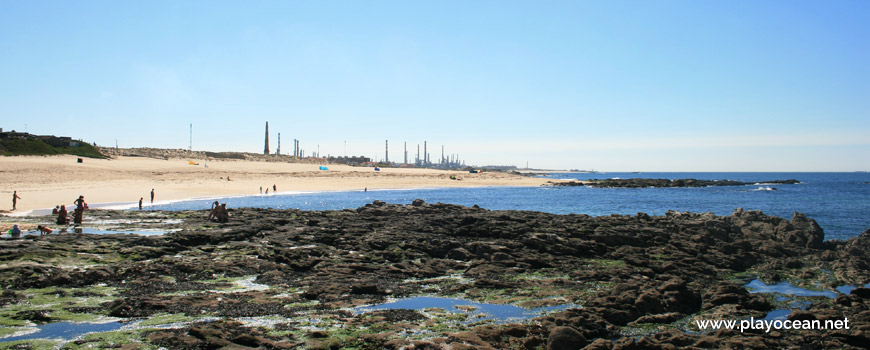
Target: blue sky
(609,85)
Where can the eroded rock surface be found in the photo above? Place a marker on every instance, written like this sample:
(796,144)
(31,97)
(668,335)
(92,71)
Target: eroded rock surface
(633,281)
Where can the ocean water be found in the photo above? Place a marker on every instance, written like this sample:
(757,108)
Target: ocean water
(839,202)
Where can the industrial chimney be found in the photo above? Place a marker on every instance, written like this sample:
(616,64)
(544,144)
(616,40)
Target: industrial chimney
(266,150)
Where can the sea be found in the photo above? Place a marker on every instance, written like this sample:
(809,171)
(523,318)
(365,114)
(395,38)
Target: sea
(839,202)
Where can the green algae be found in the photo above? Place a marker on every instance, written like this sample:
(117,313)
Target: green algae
(30,344)
(113,339)
(57,302)
(165,318)
(7,331)
(605,263)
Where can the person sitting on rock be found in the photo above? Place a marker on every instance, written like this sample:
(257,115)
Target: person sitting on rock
(219,212)
(223,215)
(15,232)
(62,218)
(212,213)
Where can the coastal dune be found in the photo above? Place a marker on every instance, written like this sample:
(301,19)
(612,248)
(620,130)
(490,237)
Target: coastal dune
(44,182)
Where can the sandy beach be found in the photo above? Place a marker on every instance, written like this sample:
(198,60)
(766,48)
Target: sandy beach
(43,182)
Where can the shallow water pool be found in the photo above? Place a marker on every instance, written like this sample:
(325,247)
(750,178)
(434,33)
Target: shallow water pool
(478,311)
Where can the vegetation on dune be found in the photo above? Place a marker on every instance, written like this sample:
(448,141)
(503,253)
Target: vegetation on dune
(30,147)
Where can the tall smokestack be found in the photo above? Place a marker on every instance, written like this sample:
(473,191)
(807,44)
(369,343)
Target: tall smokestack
(278,152)
(406,152)
(266,149)
(425,154)
(386,151)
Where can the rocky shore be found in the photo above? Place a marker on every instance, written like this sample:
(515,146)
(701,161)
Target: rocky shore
(643,183)
(288,279)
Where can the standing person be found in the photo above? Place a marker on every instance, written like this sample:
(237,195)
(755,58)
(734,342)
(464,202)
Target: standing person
(78,214)
(140,203)
(274,188)
(15,199)
(261,189)
(80,202)
(152,196)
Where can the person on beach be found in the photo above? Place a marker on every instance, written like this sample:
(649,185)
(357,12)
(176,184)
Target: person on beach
(261,189)
(140,202)
(55,210)
(44,230)
(152,197)
(15,232)
(62,218)
(15,199)
(267,190)
(274,188)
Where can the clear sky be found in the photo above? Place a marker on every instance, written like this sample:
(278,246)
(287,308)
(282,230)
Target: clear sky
(610,85)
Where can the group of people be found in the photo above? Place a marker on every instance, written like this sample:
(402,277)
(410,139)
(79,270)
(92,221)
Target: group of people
(219,212)
(78,213)
(143,198)
(15,232)
(274,189)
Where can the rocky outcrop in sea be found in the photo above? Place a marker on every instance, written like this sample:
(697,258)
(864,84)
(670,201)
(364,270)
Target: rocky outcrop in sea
(643,183)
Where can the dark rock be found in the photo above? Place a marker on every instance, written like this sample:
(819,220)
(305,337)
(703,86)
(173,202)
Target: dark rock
(38,316)
(642,183)
(370,289)
(459,254)
(318,335)
(599,344)
(566,338)
(861,292)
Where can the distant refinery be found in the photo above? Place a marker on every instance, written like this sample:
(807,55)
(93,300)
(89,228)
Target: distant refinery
(424,160)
